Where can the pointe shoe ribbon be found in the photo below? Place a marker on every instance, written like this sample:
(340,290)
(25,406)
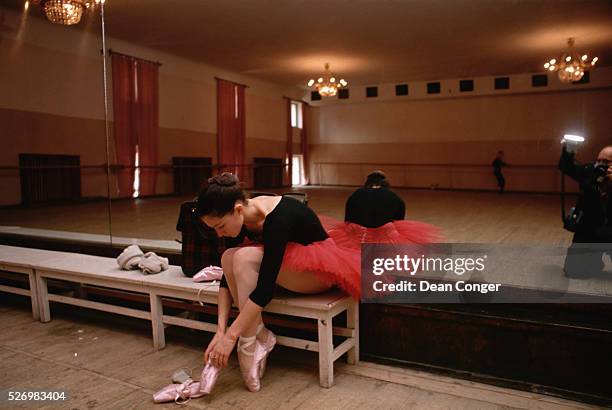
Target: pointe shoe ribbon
(248,366)
(263,349)
(152,263)
(130,257)
(178,393)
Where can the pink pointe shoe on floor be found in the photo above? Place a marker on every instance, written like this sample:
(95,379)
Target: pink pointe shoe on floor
(181,393)
(209,377)
(253,362)
(178,393)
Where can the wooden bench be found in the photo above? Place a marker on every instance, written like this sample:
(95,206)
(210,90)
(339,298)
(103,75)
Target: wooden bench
(20,260)
(42,265)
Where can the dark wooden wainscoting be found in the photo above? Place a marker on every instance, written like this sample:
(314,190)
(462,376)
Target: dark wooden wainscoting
(190,173)
(49,178)
(563,350)
(268,172)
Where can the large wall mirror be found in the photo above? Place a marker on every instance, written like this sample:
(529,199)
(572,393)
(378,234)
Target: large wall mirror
(53,161)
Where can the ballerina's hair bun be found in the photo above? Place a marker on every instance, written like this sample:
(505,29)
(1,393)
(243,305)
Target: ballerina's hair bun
(225,179)
(376,178)
(220,195)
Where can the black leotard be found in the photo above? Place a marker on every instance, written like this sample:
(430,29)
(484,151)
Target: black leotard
(374,207)
(289,221)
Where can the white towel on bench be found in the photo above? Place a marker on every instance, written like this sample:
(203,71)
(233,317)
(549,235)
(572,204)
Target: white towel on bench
(152,263)
(130,257)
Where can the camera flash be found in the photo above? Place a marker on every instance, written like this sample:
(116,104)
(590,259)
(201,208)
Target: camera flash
(573,138)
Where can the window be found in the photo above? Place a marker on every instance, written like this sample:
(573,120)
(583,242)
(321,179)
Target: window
(502,83)
(296,114)
(401,89)
(343,93)
(539,80)
(466,85)
(297,170)
(433,88)
(584,80)
(235,102)
(371,92)
(136,186)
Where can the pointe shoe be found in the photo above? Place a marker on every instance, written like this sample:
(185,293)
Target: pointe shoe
(179,393)
(209,377)
(248,366)
(264,350)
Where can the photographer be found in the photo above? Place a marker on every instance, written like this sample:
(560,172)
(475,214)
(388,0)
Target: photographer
(591,219)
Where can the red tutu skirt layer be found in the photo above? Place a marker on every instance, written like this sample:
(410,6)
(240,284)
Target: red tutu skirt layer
(332,264)
(337,260)
(350,235)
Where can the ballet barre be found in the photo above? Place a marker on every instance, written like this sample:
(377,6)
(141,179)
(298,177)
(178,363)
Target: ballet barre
(41,265)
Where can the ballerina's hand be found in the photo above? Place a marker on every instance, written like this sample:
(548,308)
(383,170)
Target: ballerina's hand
(218,336)
(220,354)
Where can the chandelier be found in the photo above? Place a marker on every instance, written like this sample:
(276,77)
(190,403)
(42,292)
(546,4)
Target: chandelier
(571,65)
(327,85)
(66,12)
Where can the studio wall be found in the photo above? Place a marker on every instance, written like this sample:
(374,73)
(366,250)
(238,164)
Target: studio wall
(52,102)
(451,142)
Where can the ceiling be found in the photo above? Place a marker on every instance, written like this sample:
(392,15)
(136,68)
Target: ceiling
(365,41)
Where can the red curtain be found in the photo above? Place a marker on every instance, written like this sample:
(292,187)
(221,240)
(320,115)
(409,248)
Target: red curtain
(147,124)
(231,127)
(305,153)
(135,106)
(124,101)
(289,167)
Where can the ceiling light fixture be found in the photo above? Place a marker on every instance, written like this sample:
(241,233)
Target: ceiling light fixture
(571,65)
(327,85)
(66,12)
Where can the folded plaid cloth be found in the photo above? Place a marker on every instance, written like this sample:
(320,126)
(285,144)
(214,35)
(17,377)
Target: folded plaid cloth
(201,246)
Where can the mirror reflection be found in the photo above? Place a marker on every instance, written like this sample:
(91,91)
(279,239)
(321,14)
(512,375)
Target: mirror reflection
(54,148)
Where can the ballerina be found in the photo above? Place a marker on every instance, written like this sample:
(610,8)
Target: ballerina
(291,249)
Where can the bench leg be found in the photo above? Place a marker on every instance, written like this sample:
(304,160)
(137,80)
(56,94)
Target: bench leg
(157,311)
(34,296)
(326,352)
(43,298)
(352,322)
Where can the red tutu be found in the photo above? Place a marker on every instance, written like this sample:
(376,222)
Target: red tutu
(337,260)
(351,235)
(331,263)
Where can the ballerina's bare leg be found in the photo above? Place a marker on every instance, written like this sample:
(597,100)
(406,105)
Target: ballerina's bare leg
(241,268)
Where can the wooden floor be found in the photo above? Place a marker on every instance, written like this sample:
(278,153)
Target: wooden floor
(105,361)
(108,362)
(464,216)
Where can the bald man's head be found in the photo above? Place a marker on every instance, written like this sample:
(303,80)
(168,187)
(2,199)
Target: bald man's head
(605,154)
(605,157)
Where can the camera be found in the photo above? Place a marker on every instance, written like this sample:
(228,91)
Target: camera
(600,171)
(572,221)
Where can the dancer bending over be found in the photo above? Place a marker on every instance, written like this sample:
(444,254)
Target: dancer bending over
(291,250)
